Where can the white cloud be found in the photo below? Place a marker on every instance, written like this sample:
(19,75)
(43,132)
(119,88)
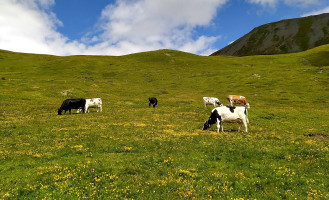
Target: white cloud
(125,27)
(202,43)
(317,12)
(264,2)
(27,26)
(158,24)
(302,3)
(295,3)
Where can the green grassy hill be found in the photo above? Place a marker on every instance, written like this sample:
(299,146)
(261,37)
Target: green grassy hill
(130,151)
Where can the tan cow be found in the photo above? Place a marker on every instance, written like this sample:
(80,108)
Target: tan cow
(238,99)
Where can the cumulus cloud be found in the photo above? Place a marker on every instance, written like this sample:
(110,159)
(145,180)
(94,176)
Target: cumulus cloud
(317,12)
(154,24)
(28,26)
(124,27)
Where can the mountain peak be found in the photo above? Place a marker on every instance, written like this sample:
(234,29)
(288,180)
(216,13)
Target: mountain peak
(285,36)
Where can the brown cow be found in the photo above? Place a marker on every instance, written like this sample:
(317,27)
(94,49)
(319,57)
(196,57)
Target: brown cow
(238,99)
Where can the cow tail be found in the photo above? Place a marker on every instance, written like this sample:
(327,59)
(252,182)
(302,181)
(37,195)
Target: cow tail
(246,113)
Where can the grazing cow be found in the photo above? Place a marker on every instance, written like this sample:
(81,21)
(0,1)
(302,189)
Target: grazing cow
(223,114)
(237,99)
(69,104)
(211,101)
(153,101)
(93,103)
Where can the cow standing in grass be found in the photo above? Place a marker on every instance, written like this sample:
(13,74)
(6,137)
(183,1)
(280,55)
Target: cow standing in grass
(153,101)
(211,101)
(238,99)
(223,114)
(93,103)
(69,104)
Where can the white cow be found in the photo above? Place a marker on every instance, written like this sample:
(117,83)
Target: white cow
(223,114)
(93,103)
(211,101)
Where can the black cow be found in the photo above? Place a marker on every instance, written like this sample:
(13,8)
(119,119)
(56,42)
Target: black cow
(69,104)
(153,101)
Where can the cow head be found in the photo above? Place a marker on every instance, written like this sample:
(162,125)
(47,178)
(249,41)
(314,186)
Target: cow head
(206,125)
(218,103)
(247,105)
(59,111)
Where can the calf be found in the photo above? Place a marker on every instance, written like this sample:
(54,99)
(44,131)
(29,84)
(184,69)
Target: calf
(93,103)
(69,104)
(211,101)
(223,114)
(153,101)
(237,99)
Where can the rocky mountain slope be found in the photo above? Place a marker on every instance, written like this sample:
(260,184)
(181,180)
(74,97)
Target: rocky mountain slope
(286,36)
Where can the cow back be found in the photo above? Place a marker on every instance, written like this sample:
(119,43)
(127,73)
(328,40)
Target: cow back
(73,103)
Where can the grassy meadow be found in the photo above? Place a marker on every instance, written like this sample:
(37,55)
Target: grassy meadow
(131,151)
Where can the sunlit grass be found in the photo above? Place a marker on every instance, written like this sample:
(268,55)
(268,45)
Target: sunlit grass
(131,151)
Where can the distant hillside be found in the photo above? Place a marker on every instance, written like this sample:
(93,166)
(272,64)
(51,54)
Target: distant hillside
(286,36)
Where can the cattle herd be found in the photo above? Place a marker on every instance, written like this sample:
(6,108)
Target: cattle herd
(219,115)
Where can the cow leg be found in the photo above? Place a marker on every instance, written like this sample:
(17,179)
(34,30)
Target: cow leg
(240,122)
(231,101)
(245,125)
(100,108)
(70,110)
(221,125)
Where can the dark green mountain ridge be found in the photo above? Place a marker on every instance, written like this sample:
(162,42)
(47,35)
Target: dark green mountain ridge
(285,36)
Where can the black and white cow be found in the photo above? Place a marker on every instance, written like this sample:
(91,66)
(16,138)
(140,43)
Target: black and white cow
(211,101)
(69,104)
(153,101)
(92,103)
(223,114)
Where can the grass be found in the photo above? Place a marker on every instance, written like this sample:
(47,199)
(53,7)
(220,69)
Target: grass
(130,151)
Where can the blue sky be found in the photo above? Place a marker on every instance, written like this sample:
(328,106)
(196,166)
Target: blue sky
(119,27)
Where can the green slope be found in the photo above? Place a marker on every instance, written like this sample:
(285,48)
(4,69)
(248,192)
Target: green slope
(130,151)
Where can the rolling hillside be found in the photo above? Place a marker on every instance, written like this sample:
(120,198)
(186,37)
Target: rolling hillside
(286,36)
(131,151)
